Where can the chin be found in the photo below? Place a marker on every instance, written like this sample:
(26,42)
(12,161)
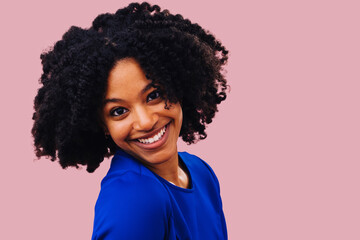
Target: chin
(158,158)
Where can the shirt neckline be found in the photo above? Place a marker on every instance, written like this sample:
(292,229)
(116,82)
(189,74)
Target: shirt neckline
(188,172)
(182,161)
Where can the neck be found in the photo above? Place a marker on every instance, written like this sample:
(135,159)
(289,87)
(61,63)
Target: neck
(171,171)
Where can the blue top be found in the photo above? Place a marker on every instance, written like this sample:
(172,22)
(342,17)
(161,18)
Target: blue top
(135,203)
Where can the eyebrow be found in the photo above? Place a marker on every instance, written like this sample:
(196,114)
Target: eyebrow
(145,89)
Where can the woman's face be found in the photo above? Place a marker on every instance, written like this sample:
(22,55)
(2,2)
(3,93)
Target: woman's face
(135,116)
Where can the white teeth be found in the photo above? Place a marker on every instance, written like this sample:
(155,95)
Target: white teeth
(155,138)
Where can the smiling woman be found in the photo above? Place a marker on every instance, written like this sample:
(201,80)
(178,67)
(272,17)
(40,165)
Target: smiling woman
(136,118)
(129,87)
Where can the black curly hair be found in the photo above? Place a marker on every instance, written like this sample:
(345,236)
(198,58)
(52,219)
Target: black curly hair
(181,57)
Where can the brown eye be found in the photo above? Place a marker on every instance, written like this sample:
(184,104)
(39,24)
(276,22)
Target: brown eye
(153,95)
(118,111)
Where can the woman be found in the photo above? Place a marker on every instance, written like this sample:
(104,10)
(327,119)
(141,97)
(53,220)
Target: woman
(128,87)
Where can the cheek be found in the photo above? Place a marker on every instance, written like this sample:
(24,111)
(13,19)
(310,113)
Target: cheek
(119,131)
(178,114)
(178,117)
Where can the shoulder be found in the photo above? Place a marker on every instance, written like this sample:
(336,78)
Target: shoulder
(128,199)
(194,161)
(131,183)
(199,168)
(133,190)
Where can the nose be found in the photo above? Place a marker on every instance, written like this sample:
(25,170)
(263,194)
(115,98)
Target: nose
(144,119)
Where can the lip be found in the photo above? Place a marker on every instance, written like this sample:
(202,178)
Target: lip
(154,145)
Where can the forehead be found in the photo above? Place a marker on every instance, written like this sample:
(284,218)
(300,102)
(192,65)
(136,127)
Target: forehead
(126,77)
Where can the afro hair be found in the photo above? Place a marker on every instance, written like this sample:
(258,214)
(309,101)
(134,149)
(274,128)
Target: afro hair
(176,54)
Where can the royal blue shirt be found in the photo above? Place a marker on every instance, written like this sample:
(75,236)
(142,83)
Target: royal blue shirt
(135,203)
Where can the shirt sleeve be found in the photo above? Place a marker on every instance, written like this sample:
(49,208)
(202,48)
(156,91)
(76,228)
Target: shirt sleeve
(131,206)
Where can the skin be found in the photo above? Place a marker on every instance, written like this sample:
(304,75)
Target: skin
(135,109)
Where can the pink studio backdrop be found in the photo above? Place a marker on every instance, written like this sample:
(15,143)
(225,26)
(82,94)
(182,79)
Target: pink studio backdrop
(285,145)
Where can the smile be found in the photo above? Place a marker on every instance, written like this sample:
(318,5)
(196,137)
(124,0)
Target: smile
(155,141)
(154,138)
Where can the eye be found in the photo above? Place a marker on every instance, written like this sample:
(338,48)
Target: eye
(118,111)
(153,95)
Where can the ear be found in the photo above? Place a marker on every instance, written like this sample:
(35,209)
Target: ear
(101,123)
(106,131)
(104,127)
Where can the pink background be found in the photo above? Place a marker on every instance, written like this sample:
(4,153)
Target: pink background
(285,145)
